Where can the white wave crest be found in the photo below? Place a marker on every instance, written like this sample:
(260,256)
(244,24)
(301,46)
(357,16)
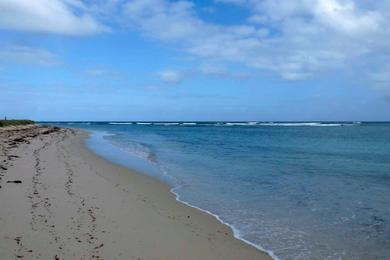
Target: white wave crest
(120,123)
(241,124)
(301,124)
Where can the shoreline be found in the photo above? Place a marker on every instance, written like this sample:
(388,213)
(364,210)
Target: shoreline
(235,231)
(70,203)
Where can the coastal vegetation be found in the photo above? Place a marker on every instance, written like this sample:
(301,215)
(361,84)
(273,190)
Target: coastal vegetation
(15,122)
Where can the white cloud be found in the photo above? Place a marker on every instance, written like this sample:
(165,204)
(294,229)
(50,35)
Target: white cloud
(295,75)
(96,72)
(103,72)
(67,17)
(28,55)
(345,17)
(170,76)
(213,70)
(221,71)
(296,39)
(236,2)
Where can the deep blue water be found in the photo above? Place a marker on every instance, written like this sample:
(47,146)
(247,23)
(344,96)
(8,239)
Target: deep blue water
(302,191)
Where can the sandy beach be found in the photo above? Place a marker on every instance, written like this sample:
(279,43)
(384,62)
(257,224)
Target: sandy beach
(59,200)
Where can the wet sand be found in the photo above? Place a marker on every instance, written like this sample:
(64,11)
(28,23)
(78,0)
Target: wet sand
(58,200)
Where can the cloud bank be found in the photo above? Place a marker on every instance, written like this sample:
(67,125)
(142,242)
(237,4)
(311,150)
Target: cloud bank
(296,39)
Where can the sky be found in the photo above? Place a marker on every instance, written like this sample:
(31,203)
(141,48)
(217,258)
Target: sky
(166,60)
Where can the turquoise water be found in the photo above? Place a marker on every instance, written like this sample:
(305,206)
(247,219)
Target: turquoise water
(298,190)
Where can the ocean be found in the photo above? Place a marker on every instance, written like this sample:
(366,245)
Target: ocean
(298,190)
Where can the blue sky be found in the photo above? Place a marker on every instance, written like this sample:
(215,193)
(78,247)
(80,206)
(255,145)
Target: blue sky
(195,60)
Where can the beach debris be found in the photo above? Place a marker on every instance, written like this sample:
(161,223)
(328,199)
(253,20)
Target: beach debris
(19,140)
(99,246)
(15,181)
(17,239)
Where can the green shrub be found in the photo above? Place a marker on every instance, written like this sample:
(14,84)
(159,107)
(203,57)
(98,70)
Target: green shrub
(15,122)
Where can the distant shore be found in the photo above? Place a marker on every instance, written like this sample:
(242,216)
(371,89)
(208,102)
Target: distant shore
(59,200)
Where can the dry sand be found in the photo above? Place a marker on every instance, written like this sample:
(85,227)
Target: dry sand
(58,200)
